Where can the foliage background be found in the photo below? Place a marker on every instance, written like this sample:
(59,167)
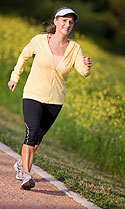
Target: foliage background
(98,19)
(91,125)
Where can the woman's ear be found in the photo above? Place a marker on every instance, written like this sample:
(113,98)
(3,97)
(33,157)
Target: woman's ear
(55,21)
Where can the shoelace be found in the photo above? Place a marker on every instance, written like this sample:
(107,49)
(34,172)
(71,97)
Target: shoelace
(19,167)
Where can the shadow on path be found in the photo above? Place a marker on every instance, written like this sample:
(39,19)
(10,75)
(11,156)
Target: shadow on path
(49,192)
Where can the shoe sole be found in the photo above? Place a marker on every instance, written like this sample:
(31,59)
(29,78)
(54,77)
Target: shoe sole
(18,178)
(28,185)
(15,167)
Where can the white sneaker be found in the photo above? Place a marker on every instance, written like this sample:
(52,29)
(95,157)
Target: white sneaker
(28,182)
(19,169)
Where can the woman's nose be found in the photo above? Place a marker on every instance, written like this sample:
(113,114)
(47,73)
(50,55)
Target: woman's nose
(68,24)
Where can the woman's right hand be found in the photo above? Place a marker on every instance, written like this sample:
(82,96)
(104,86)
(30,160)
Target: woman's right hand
(12,85)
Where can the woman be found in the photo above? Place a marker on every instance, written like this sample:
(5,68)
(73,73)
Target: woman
(44,92)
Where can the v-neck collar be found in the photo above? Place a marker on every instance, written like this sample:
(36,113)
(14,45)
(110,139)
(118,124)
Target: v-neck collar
(52,58)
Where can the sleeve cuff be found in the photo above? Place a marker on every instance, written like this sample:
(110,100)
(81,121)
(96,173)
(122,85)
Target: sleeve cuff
(14,77)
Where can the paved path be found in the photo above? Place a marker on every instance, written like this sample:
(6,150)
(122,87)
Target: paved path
(43,196)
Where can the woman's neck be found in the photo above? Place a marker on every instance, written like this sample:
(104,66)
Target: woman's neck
(59,39)
(58,44)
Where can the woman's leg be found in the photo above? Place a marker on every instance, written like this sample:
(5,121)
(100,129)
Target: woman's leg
(27,161)
(48,115)
(24,153)
(38,119)
(27,157)
(32,115)
(32,157)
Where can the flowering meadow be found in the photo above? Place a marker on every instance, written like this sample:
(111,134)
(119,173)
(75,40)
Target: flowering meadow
(92,120)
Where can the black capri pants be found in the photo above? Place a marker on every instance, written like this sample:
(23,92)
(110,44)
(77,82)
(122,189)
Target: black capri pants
(38,118)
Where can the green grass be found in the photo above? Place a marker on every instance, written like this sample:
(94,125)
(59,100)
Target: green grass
(78,174)
(92,120)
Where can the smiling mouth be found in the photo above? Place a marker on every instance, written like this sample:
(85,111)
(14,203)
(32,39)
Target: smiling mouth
(67,29)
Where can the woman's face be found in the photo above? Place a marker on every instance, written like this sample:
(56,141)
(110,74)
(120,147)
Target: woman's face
(64,25)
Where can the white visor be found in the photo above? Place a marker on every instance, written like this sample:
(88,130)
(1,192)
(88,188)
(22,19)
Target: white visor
(67,11)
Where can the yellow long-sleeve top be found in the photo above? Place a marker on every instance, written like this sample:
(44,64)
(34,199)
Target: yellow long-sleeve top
(45,83)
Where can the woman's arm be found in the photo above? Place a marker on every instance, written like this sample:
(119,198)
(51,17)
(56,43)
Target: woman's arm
(83,64)
(27,52)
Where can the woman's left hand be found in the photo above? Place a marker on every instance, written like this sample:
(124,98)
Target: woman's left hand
(87,61)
